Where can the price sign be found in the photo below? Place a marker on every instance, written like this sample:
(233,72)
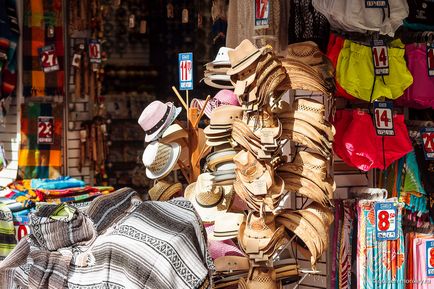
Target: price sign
(45,130)
(430,258)
(21,231)
(427,135)
(383,118)
(385,221)
(430,59)
(94,51)
(185,61)
(380,57)
(376,3)
(262,14)
(48,58)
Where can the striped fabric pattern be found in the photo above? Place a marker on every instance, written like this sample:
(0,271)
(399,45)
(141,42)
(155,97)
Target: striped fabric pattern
(39,15)
(153,245)
(39,160)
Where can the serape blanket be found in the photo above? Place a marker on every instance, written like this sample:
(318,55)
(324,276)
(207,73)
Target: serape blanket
(152,245)
(43,26)
(7,231)
(39,160)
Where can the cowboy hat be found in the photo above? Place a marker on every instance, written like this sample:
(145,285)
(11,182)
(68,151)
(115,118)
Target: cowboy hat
(243,56)
(226,226)
(159,159)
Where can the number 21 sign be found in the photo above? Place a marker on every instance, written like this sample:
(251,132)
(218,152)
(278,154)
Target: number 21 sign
(48,58)
(385,221)
(45,130)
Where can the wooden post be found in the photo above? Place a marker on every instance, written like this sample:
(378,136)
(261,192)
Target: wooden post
(193,144)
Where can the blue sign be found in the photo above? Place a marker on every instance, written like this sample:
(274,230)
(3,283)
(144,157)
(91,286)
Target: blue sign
(185,63)
(430,258)
(386,215)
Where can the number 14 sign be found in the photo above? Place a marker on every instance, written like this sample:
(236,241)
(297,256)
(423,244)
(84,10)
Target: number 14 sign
(383,118)
(185,61)
(380,58)
(385,221)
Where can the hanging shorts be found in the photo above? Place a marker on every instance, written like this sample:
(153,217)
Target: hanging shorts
(357,143)
(334,48)
(355,72)
(420,94)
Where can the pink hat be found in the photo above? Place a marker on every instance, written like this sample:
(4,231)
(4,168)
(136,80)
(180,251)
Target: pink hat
(223,97)
(157,117)
(221,248)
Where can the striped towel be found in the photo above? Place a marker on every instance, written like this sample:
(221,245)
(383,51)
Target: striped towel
(39,15)
(39,160)
(7,231)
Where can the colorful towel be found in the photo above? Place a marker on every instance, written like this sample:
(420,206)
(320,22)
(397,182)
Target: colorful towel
(41,18)
(39,160)
(56,184)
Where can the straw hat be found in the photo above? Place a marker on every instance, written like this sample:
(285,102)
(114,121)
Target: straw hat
(250,171)
(164,190)
(260,278)
(226,226)
(243,56)
(159,159)
(223,97)
(209,200)
(175,133)
(156,117)
(307,52)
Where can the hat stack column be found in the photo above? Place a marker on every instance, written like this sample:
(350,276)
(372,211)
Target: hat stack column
(265,177)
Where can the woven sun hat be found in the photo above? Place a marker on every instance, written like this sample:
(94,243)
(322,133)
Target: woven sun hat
(222,118)
(208,199)
(243,56)
(218,80)
(164,190)
(223,97)
(307,52)
(175,133)
(219,157)
(226,226)
(160,159)
(260,278)
(156,117)
(323,213)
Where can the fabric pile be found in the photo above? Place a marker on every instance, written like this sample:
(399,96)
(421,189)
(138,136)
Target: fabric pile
(22,198)
(69,248)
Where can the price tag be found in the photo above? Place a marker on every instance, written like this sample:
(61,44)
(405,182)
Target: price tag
(430,59)
(185,61)
(262,14)
(48,58)
(430,258)
(259,187)
(267,136)
(21,231)
(427,135)
(380,57)
(94,51)
(76,60)
(184,16)
(45,130)
(383,118)
(385,221)
(376,3)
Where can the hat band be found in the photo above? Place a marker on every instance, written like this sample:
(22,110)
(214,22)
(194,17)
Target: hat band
(245,59)
(213,204)
(158,125)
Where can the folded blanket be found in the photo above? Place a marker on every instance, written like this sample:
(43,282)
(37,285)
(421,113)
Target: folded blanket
(56,184)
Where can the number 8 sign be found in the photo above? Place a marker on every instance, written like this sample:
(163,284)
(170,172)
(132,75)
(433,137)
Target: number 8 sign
(385,221)
(430,258)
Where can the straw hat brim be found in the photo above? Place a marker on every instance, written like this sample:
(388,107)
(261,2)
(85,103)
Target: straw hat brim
(209,214)
(176,152)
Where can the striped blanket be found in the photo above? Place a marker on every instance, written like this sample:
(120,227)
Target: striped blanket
(37,160)
(120,242)
(43,26)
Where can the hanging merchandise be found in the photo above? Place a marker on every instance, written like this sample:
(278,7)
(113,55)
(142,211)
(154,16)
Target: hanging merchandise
(354,16)
(43,73)
(419,56)
(307,24)
(421,15)
(371,150)
(3,160)
(41,141)
(241,23)
(9,33)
